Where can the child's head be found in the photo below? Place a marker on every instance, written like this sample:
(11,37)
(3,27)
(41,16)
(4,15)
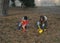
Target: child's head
(25,17)
(41,18)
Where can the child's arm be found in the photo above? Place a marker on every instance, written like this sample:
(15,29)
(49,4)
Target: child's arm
(19,24)
(38,24)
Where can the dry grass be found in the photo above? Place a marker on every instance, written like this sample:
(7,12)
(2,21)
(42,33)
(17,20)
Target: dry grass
(10,34)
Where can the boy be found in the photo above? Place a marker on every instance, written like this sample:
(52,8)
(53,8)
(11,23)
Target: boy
(23,24)
(42,23)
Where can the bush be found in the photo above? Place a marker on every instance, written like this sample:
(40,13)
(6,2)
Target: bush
(28,3)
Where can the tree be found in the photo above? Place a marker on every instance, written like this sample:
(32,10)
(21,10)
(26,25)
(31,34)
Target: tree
(28,3)
(13,3)
(5,7)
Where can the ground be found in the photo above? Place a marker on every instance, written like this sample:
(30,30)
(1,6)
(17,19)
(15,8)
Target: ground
(10,34)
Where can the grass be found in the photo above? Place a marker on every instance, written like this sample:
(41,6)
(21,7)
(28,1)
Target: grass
(10,34)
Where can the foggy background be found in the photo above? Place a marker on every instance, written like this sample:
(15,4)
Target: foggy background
(39,3)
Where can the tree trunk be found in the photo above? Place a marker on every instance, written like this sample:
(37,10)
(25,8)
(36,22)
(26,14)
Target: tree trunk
(5,5)
(0,7)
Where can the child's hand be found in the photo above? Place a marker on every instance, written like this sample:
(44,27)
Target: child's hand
(40,31)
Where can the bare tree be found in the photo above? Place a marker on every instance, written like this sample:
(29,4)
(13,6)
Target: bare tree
(5,6)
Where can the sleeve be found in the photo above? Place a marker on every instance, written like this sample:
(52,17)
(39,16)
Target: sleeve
(20,24)
(38,23)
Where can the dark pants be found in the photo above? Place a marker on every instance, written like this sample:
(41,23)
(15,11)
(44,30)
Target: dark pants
(41,25)
(19,26)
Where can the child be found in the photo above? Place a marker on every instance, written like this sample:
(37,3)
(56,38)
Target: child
(23,24)
(42,23)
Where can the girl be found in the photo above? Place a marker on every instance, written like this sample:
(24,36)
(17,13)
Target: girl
(23,24)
